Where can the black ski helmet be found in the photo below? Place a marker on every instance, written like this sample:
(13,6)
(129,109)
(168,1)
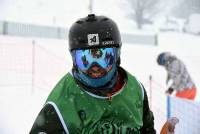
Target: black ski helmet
(162,57)
(94,32)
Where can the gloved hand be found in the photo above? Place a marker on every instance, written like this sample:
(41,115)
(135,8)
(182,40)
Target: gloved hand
(169,126)
(169,91)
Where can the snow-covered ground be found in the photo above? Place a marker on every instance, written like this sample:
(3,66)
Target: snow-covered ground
(26,80)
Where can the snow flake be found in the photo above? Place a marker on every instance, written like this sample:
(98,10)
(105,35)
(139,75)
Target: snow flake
(116,112)
(40,120)
(71,99)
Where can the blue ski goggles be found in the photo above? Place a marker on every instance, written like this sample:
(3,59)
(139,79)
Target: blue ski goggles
(101,57)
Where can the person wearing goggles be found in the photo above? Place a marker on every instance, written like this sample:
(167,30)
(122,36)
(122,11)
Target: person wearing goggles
(98,95)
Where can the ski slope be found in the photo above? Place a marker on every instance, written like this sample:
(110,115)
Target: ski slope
(28,76)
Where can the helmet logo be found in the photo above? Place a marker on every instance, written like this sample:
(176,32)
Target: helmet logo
(93,39)
(108,42)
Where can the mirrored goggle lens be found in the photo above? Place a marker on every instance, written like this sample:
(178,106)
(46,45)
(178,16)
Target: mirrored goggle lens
(104,57)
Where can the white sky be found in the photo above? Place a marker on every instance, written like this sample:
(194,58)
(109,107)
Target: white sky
(43,11)
(61,12)
(65,12)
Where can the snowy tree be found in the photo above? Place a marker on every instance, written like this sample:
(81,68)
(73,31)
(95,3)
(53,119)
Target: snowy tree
(141,11)
(186,8)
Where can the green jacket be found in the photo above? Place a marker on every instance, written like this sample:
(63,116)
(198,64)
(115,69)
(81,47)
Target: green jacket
(69,109)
